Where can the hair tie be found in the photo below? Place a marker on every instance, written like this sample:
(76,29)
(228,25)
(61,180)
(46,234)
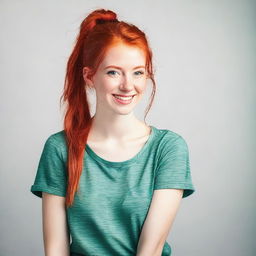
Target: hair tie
(102,20)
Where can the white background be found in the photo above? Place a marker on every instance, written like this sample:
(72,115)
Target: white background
(204,56)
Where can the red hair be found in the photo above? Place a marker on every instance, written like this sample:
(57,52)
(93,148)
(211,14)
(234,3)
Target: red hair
(99,31)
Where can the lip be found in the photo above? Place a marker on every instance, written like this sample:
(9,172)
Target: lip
(124,95)
(123,101)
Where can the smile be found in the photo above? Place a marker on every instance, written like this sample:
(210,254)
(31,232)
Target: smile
(123,100)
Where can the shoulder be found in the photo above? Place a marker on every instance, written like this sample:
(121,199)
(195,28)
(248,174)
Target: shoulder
(57,142)
(168,138)
(58,139)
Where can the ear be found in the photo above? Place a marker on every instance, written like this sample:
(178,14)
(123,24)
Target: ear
(87,77)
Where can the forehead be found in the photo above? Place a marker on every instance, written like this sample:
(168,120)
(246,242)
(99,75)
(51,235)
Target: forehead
(124,56)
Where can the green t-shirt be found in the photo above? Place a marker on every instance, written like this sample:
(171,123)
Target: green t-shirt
(114,197)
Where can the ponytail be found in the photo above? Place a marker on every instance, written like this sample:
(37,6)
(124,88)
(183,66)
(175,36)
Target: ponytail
(98,31)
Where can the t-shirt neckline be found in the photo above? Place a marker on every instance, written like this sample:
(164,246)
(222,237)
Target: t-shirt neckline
(126,162)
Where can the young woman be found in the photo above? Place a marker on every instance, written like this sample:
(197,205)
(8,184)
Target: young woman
(109,182)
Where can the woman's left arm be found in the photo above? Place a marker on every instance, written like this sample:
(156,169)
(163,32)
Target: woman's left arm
(161,214)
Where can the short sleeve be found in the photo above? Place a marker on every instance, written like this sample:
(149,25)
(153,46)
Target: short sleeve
(173,170)
(51,176)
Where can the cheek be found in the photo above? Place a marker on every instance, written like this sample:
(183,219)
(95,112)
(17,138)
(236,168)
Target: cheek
(110,84)
(142,86)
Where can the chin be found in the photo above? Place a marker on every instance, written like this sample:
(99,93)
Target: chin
(126,111)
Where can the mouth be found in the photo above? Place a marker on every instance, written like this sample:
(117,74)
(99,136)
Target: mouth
(123,99)
(124,96)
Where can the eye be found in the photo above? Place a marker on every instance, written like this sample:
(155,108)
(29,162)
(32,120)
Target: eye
(139,72)
(111,72)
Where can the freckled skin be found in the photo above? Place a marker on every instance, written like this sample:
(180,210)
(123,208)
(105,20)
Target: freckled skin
(126,81)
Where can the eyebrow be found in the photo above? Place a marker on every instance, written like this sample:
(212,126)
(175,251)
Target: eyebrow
(112,66)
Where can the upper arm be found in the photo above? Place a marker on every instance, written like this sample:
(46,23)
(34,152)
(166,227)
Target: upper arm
(51,175)
(173,168)
(50,185)
(161,214)
(55,228)
(172,182)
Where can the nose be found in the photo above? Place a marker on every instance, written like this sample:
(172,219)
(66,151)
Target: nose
(127,83)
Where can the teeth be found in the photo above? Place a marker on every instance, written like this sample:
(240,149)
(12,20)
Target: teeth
(123,98)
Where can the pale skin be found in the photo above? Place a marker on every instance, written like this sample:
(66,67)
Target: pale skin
(116,135)
(55,229)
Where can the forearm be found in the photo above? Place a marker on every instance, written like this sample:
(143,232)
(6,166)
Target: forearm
(147,248)
(57,248)
(157,252)
(55,251)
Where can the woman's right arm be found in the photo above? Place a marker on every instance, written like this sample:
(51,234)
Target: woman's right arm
(55,229)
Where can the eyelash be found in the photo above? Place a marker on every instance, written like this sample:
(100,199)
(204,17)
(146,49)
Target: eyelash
(141,72)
